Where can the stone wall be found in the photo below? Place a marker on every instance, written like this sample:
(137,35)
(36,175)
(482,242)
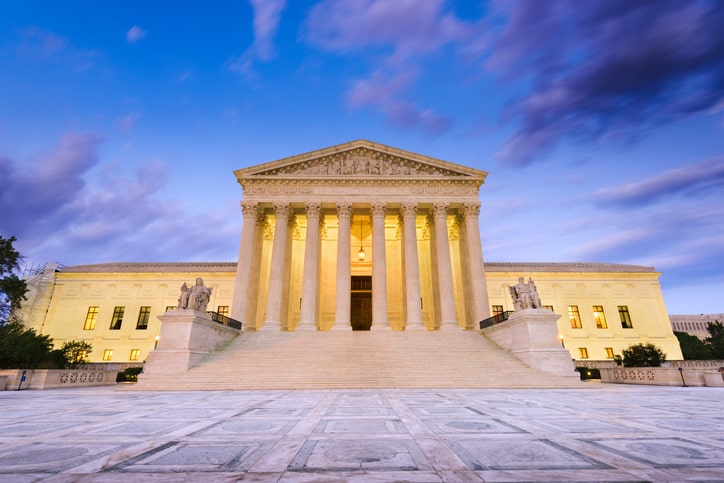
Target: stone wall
(663,376)
(55,378)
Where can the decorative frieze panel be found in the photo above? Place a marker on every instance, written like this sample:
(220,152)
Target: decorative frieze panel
(360,162)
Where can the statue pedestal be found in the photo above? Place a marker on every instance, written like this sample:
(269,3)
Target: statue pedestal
(531,335)
(187,336)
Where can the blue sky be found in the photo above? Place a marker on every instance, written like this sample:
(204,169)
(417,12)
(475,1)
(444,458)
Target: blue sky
(601,123)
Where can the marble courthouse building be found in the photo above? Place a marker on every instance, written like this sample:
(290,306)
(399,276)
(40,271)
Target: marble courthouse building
(358,236)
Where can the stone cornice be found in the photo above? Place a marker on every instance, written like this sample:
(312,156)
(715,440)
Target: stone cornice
(357,161)
(523,267)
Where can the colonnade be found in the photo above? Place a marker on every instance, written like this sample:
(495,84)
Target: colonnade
(249,261)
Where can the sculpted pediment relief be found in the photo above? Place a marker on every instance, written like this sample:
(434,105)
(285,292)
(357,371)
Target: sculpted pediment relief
(359,159)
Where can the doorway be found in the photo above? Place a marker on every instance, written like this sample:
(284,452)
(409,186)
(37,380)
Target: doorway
(361,303)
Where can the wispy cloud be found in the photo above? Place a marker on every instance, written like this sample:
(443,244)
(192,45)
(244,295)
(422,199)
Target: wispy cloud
(127,122)
(381,92)
(135,34)
(694,180)
(399,33)
(267,14)
(39,45)
(606,70)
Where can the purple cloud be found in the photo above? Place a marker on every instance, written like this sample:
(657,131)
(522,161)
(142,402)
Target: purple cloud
(408,27)
(606,69)
(693,180)
(135,34)
(378,91)
(41,45)
(56,215)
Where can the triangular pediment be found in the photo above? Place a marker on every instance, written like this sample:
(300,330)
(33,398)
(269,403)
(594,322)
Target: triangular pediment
(359,159)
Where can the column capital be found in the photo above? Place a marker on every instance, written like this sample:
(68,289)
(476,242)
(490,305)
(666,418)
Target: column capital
(282,209)
(439,209)
(344,209)
(313,209)
(378,209)
(471,209)
(249,208)
(408,209)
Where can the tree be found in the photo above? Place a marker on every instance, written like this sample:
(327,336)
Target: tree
(12,288)
(643,355)
(716,340)
(692,347)
(24,348)
(75,352)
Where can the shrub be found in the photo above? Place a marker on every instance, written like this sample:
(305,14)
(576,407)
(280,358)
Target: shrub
(130,374)
(643,355)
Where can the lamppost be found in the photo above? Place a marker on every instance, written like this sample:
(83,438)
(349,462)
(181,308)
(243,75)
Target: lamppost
(560,336)
(156,342)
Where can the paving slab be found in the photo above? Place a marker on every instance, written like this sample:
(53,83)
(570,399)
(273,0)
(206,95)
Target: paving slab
(600,433)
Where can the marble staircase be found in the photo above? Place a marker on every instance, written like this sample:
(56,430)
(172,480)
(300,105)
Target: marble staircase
(346,359)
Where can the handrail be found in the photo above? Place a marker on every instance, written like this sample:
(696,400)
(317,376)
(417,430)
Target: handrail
(224,320)
(495,319)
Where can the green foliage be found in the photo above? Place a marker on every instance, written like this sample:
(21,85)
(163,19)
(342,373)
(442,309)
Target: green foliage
(130,374)
(716,340)
(12,288)
(643,355)
(24,348)
(75,353)
(692,347)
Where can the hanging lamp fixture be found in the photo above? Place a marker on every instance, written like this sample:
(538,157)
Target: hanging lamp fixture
(361,252)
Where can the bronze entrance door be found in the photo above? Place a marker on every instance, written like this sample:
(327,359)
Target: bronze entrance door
(361,306)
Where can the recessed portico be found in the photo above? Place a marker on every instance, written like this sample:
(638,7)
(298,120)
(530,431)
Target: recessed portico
(307,218)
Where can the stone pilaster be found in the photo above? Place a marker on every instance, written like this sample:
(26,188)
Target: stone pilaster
(476,269)
(310,281)
(275,292)
(412,269)
(448,317)
(247,252)
(342,317)
(379,268)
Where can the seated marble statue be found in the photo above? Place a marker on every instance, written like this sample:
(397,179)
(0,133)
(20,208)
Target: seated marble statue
(199,296)
(183,298)
(525,295)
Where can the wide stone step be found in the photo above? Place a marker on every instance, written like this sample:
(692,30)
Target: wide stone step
(346,359)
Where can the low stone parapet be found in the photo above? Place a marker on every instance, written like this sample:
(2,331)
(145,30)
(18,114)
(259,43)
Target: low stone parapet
(55,378)
(663,376)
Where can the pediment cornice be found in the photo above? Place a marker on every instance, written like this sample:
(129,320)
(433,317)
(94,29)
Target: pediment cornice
(359,161)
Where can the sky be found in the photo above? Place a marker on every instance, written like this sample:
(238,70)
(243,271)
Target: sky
(600,123)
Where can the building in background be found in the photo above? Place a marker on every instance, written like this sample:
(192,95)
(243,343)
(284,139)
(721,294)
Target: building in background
(358,236)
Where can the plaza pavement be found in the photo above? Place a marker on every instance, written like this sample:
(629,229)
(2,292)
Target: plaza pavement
(597,433)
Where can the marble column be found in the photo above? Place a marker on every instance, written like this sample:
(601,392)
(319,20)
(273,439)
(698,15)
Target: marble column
(476,270)
(310,281)
(379,268)
(342,315)
(448,317)
(250,210)
(275,293)
(252,314)
(412,269)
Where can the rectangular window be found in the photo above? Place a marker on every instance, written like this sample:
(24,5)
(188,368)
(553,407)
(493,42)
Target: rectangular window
(223,310)
(549,307)
(134,354)
(170,307)
(497,309)
(583,352)
(625,317)
(90,318)
(574,317)
(609,352)
(600,317)
(117,319)
(143,315)
(107,354)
